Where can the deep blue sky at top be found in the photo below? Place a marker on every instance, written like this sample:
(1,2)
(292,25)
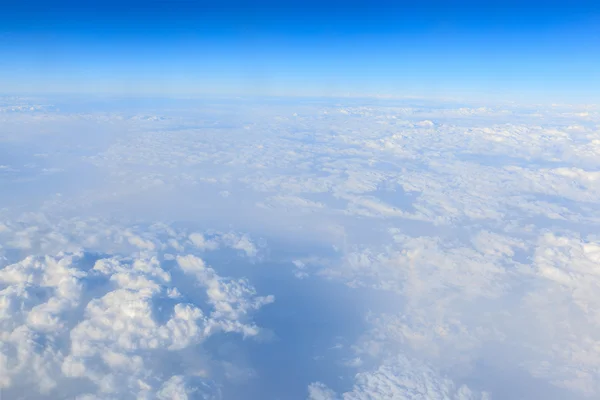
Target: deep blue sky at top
(514,50)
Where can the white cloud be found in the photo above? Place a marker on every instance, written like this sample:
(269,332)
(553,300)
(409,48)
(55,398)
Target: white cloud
(199,241)
(111,326)
(240,242)
(465,234)
(141,243)
(229,239)
(400,378)
(318,391)
(565,304)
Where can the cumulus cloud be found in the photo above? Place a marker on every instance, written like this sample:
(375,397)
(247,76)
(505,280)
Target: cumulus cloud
(199,241)
(117,326)
(566,305)
(400,378)
(230,239)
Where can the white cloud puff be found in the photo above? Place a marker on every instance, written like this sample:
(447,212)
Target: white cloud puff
(400,378)
(114,327)
(230,239)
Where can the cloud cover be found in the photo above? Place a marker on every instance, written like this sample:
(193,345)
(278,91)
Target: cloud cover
(83,324)
(353,249)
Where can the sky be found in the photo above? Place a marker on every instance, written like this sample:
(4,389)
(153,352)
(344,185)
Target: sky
(495,50)
(300,200)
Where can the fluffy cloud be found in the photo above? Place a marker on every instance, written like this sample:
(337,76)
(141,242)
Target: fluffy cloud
(445,250)
(566,305)
(399,378)
(117,325)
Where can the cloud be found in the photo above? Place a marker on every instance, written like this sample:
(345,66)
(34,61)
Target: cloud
(451,249)
(565,304)
(199,241)
(229,239)
(116,325)
(399,378)
(319,391)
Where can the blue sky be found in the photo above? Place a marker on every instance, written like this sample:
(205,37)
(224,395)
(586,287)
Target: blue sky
(465,49)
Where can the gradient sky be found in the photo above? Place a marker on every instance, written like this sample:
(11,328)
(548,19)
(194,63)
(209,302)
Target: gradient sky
(509,50)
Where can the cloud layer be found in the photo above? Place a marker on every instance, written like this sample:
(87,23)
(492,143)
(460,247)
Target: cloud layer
(355,249)
(83,324)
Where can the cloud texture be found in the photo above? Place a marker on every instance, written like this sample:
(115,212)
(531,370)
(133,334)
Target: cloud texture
(339,249)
